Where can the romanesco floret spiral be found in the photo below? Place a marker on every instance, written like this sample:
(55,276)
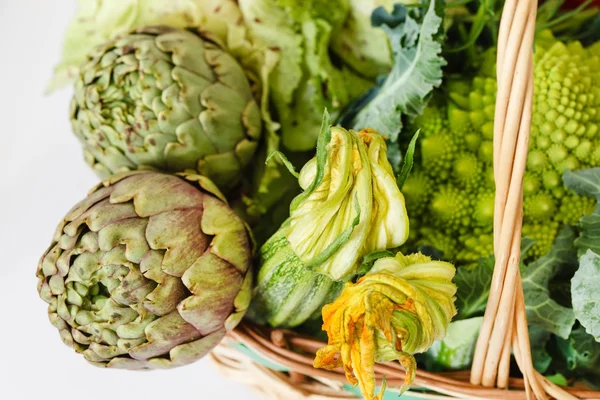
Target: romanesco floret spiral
(438,240)
(574,207)
(483,209)
(466,169)
(543,234)
(416,192)
(473,246)
(453,176)
(438,152)
(449,206)
(431,121)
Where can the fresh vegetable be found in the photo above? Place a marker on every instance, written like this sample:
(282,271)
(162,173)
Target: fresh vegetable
(350,194)
(397,309)
(416,37)
(237,98)
(167,99)
(561,284)
(98,21)
(455,351)
(581,354)
(450,194)
(305,80)
(536,286)
(149,271)
(585,287)
(585,283)
(272,189)
(360,44)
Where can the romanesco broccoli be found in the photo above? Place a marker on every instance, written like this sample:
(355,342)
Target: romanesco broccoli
(450,193)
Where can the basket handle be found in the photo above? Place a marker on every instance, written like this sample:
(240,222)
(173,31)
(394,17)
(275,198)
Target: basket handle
(505,320)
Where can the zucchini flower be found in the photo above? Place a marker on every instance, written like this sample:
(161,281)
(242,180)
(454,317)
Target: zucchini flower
(350,206)
(399,308)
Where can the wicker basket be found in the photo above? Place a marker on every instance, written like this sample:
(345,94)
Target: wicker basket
(278,363)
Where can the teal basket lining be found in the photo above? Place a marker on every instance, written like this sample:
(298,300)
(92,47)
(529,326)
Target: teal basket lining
(390,393)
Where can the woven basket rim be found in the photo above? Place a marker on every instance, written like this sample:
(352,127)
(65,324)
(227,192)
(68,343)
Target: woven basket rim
(296,352)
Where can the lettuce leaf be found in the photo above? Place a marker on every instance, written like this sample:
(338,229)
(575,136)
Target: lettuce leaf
(97,21)
(306,79)
(364,47)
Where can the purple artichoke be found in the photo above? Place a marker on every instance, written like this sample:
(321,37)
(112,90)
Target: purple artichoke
(149,271)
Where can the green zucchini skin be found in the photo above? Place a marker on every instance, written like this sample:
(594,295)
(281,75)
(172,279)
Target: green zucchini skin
(287,293)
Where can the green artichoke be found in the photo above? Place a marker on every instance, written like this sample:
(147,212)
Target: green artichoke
(169,99)
(149,271)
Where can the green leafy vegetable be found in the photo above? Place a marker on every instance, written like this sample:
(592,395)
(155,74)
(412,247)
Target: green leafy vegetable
(474,283)
(585,285)
(361,45)
(539,339)
(581,353)
(585,292)
(587,182)
(542,310)
(95,22)
(416,38)
(305,80)
(455,351)
(473,287)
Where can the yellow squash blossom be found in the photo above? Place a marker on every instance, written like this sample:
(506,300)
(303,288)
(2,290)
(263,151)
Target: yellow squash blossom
(398,309)
(350,206)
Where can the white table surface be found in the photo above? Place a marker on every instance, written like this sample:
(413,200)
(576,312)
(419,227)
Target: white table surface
(42,174)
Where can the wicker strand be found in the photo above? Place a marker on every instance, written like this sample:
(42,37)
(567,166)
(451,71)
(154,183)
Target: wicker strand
(512,126)
(511,141)
(329,384)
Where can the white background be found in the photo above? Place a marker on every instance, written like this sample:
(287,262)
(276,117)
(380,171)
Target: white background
(42,174)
